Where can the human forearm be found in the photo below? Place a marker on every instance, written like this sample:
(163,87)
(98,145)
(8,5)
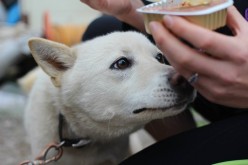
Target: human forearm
(124,10)
(132,17)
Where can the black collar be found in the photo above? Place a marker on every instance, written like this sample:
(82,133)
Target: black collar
(75,143)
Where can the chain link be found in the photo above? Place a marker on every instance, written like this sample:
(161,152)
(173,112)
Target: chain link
(42,158)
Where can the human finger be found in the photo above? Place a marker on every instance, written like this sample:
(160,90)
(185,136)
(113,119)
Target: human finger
(185,59)
(213,43)
(216,92)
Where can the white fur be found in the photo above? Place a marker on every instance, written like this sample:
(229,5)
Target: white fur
(97,101)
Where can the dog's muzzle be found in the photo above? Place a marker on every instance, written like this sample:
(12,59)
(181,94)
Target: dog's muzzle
(184,90)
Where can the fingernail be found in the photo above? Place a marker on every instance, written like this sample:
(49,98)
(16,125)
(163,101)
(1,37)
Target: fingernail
(168,21)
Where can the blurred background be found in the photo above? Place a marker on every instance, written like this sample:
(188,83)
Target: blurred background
(63,21)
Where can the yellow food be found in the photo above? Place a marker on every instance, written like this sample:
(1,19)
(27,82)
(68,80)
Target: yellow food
(195,2)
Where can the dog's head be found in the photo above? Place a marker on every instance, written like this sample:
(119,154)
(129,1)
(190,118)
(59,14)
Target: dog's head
(116,82)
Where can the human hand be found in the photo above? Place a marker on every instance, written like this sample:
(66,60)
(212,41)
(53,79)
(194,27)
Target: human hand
(222,66)
(111,7)
(124,10)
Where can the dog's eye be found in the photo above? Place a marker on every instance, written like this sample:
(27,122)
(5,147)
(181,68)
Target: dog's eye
(160,57)
(121,63)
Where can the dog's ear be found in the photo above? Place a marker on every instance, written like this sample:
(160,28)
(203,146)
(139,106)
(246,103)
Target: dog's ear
(54,58)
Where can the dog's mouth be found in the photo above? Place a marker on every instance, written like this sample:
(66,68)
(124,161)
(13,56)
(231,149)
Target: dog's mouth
(178,105)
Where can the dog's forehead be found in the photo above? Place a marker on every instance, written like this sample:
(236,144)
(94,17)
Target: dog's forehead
(116,44)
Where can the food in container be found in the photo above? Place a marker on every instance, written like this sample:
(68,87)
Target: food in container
(210,14)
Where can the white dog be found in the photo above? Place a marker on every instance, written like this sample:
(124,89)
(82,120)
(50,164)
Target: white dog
(99,92)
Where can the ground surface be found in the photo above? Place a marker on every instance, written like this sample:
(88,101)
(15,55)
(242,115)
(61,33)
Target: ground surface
(13,144)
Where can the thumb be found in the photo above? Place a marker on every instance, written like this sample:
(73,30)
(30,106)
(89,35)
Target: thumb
(235,21)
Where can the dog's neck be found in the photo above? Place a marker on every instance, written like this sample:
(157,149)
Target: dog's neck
(67,136)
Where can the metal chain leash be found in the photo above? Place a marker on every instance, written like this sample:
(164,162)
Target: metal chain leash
(43,158)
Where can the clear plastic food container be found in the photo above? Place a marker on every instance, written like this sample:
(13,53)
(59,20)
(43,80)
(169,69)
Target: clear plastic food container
(211,15)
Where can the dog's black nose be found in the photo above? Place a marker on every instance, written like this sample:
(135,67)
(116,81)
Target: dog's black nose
(180,84)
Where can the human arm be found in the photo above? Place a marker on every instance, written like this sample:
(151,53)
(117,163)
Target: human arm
(124,10)
(222,66)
